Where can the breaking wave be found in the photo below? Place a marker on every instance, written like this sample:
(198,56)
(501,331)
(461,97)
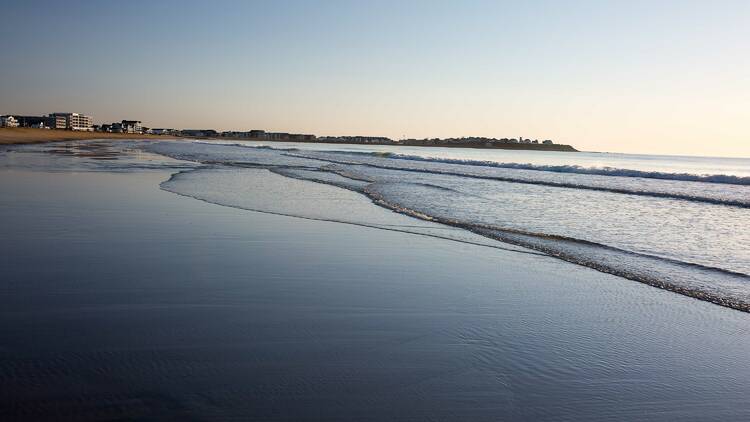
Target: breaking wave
(600,171)
(658,233)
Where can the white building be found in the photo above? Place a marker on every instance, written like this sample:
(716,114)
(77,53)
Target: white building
(73,121)
(58,122)
(8,121)
(132,126)
(163,131)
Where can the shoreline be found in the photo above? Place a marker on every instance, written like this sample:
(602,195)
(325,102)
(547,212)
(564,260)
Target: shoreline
(19,136)
(562,247)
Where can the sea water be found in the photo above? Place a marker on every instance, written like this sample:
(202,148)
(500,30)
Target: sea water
(123,301)
(679,223)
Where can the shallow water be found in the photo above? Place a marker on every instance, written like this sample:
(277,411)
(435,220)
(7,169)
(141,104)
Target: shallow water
(686,233)
(122,301)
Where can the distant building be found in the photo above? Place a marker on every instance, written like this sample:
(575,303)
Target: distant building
(301,137)
(274,136)
(35,121)
(199,133)
(357,140)
(163,131)
(547,142)
(8,121)
(73,121)
(278,136)
(131,126)
(235,134)
(58,122)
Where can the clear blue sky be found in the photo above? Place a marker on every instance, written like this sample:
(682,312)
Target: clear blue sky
(651,76)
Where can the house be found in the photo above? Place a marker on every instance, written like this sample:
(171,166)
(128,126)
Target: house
(131,126)
(163,131)
(278,136)
(378,140)
(199,133)
(42,122)
(8,121)
(235,134)
(39,125)
(256,133)
(301,137)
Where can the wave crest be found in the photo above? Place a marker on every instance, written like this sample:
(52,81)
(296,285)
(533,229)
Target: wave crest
(572,168)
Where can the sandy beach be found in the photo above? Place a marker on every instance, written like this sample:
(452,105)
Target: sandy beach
(13,136)
(125,301)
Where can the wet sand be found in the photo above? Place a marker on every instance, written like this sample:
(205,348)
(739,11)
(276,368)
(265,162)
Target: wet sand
(121,301)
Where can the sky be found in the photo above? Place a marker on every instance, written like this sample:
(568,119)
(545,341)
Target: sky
(657,77)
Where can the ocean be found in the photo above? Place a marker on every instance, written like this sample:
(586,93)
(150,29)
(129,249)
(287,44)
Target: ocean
(231,282)
(678,223)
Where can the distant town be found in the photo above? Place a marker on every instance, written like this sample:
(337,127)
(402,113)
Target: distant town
(82,122)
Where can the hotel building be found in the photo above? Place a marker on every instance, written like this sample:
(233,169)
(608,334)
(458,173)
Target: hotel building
(73,121)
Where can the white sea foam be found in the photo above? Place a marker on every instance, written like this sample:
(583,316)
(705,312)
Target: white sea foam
(688,236)
(602,171)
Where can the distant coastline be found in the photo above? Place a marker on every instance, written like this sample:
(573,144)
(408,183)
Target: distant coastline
(494,145)
(429,143)
(11,136)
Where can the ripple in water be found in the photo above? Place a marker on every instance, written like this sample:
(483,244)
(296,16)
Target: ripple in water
(685,234)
